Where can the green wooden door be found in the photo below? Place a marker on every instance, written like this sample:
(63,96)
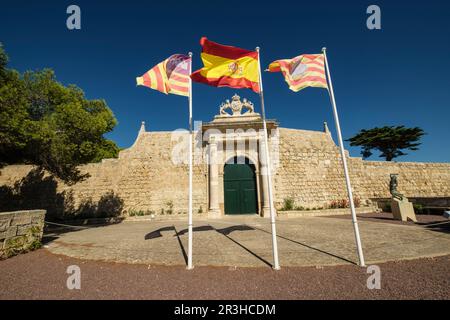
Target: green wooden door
(240,189)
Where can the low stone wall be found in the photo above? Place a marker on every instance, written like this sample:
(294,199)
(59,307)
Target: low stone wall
(325,212)
(20,231)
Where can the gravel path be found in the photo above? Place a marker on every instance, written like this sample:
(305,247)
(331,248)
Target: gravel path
(42,275)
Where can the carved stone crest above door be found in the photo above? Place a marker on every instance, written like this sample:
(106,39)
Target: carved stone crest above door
(237,110)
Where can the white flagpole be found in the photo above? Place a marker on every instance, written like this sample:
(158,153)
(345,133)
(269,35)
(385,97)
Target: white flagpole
(276,264)
(190,265)
(344,163)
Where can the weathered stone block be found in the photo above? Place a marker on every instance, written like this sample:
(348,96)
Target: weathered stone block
(37,214)
(8,233)
(4,224)
(20,219)
(37,220)
(24,230)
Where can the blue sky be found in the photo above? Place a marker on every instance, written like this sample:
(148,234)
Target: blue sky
(396,75)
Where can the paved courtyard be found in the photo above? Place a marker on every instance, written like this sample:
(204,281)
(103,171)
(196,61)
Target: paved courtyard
(245,241)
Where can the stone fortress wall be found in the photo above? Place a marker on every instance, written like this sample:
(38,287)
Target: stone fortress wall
(143,176)
(309,172)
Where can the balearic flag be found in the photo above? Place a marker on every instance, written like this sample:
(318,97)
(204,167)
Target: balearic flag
(169,76)
(307,70)
(226,66)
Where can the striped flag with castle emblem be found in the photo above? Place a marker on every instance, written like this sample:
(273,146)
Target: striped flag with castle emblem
(169,76)
(307,70)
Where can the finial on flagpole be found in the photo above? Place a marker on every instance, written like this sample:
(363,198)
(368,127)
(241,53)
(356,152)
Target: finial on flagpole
(257,49)
(324,49)
(190,54)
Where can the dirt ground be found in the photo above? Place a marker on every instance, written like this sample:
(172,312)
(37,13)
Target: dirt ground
(42,275)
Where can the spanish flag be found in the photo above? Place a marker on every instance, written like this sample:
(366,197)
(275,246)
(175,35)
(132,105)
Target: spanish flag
(307,70)
(226,66)
(169,76)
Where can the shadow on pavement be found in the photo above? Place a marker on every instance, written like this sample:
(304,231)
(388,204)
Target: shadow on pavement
(310,247)
(181,246)
(440,227)
(53,231)
(224,231)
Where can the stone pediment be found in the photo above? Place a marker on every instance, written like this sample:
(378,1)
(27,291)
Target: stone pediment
(237,111)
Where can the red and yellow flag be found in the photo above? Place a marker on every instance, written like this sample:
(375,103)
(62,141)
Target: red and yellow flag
(226,66)
(307,70)
(169,76)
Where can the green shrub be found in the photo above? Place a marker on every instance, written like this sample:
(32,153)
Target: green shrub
(387,207)
(36,244)
(138,213)
(288,204)
(418,208)
(169,205)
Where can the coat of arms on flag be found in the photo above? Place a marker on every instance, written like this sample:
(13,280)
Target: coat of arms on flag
(227,66)
(307,70)
(169,76)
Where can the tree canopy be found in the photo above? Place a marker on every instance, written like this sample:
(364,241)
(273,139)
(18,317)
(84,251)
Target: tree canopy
(45,123)
(389,140)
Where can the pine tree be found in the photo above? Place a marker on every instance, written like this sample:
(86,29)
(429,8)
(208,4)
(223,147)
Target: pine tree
(389,140)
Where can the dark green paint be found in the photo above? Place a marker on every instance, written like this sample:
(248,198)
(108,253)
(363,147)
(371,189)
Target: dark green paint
(240,189)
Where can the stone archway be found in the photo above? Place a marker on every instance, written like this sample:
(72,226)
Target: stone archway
(240,187)
(236,135)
